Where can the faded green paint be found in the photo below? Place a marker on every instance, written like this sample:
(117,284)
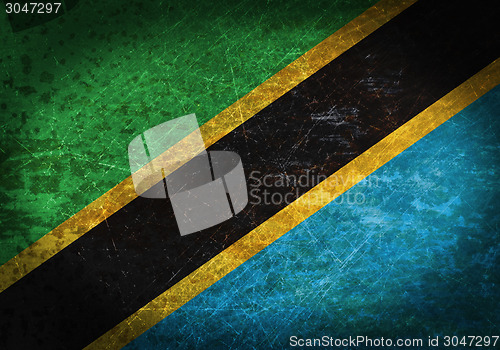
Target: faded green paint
(76,90)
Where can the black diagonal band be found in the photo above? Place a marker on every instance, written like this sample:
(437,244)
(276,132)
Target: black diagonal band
(319,126)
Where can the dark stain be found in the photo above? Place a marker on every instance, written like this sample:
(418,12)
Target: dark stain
(26,90)
(26,62)
(46,77)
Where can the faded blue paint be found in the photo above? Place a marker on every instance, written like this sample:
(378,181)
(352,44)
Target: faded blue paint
(419,258)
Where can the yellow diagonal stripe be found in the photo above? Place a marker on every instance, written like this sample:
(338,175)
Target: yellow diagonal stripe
(222,124)
(301,209)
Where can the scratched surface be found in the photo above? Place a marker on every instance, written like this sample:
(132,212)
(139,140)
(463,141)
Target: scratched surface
(420,256)
(77,89)
(137,253)
(414,251)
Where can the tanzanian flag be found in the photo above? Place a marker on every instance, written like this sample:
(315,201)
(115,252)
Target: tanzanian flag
(369,137)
